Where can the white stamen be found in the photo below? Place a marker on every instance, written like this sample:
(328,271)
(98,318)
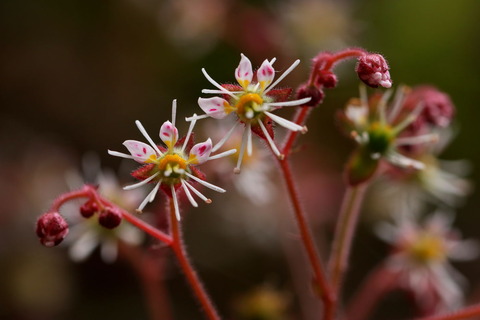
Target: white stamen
(249,114)
(397,103)
(168,171)
(195,117)
(189,195)
(190,129)
(175,203)
(145,134)
(286,123)
(120,154)
(270,140)
(213,91)
(225,138)
(241,152)
(178,170)
(273,61)
(409,119)
(401,160)
(223,154)
(148,197)
(215,83)
(382,105)
(289,103)
(206,184)
(255,88)
(409,141)
(174,111)
(154,191)
(293,66)
(141,183)
(198,193)
(249,138)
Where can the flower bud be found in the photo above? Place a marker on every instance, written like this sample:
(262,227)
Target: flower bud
(372,69)
(51,229)
(88,209)
(327,79)
(305,91)
(438,110)
(110,218)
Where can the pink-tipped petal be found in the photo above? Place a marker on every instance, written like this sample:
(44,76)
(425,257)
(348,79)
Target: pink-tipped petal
(265,74)
(200,152)
(141,152)
(244,73)
(169,134)
(214,107)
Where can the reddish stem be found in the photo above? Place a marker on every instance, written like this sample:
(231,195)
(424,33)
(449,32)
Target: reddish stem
(190,274)
(379,282)
(305,233)
(465,313)
(342,243)
(90,192)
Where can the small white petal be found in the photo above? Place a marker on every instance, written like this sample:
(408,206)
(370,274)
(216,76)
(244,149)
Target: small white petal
(141,152)
(244,73)
(169,134)
(200,152)
(265,74)
(215,107)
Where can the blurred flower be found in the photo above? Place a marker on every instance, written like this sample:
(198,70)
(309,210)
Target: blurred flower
(252,102)
(441,182)
(421,256)
(255,183)
(378,132)
(170,168)
(263,303)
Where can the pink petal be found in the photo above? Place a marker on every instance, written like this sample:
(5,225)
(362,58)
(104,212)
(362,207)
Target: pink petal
(244,73)
(265,74)
(200,152)
(215,107)
(169,134)
(140,151)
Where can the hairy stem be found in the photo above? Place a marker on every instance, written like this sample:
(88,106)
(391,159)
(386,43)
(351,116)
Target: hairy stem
(190,274)
(342,242)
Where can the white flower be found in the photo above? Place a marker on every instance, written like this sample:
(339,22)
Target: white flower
(252,102)
(421,257)
(170,168)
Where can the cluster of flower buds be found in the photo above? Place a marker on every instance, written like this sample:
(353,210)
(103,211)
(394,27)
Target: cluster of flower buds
(371,68)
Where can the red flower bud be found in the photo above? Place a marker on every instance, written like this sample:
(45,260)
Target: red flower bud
(372,69)
(51,229)
(327,79)
(313,92)
(110,218)
(88,209)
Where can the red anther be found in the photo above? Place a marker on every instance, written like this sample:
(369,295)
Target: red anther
(110,218)
(372,69)
(51,229)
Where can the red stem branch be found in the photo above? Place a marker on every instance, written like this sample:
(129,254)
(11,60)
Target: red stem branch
(465,313)
(190,274)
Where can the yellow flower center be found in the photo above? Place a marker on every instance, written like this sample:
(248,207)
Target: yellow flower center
(428,248)
(380,137)
(248,106)
(172,161)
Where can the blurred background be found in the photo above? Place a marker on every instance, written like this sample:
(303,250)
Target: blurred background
(75,75)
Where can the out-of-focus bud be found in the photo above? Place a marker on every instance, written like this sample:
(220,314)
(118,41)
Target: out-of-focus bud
(51,229)
(88,209)
(327,79)
(305,91)
(372,69)
(438,110)
(110,218)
